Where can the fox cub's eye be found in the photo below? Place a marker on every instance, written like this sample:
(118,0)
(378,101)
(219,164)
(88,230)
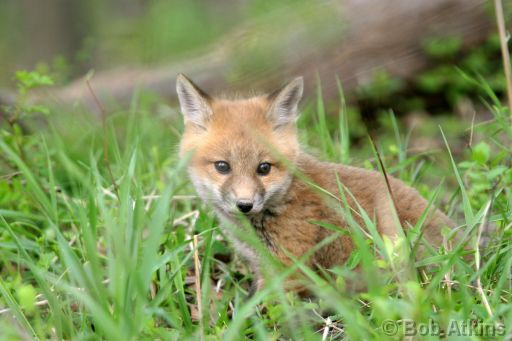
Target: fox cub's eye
(222,167)
(263,168)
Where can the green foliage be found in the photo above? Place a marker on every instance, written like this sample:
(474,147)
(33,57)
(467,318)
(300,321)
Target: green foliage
(441,87)
(481,153)
(30,80)
(25,82)
(27,298)
(14,132)
(442,47)
(381,87)
(488,167)
(82,258)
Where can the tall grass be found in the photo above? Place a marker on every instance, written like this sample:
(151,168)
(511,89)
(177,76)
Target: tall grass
(82,261)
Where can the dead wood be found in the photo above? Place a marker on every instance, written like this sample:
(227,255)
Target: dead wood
(358,37)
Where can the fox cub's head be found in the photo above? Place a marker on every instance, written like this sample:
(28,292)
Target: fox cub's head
(240,149)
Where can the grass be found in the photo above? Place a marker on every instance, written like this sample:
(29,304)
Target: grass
(102,236)
(81,258)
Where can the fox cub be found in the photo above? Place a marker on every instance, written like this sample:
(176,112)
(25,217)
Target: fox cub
(245,157)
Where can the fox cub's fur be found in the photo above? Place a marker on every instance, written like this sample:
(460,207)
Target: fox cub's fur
(242,155)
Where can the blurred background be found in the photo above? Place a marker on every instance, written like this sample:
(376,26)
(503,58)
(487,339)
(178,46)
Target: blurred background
(92,188)
(408,55)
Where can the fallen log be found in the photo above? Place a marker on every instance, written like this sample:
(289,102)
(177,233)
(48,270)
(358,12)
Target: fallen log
(357,38)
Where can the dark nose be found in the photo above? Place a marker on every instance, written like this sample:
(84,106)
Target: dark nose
(244,206)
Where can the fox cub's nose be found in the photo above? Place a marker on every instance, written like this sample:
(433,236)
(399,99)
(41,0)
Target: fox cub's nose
(244,206)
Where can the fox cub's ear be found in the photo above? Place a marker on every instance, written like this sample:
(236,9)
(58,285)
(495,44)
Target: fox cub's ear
(285,101)
(194,102)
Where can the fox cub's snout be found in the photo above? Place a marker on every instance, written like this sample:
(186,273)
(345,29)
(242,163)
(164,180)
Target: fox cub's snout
(239,147)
